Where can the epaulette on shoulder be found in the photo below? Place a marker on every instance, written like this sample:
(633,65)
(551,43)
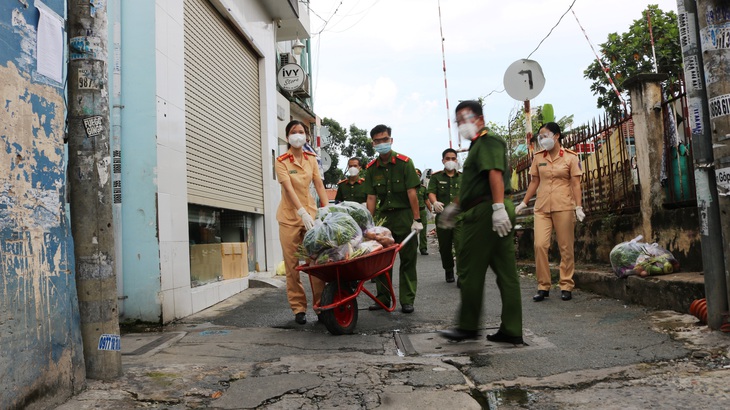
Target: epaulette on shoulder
(361,180)
(282,157)
(370,164)
(402,157)
(542,151)
(570,151)
(339,182)
(308,153)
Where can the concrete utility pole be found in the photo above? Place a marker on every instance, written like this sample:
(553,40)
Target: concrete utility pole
(90,189)
(705,42)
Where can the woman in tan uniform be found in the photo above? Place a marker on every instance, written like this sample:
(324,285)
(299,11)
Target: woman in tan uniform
(555,173)
(296,169)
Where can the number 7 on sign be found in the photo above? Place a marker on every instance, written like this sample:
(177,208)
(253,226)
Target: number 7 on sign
(529,76)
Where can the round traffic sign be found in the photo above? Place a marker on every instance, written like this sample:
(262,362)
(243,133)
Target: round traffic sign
(524,80)
(324,136)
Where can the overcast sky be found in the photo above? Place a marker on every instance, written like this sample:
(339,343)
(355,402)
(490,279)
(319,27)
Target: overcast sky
(380,61)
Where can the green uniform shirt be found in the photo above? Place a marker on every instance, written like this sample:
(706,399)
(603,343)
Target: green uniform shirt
(422,195)
(445,188)
(487,152)
(351,192)
(390,181)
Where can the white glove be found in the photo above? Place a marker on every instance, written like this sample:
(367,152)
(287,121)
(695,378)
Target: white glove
(500,220)
(447,220)
(521,207)
(438,207)
(306,218)
(579,213)
(416,226)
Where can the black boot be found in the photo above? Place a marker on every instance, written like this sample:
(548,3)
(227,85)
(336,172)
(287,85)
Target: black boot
(449,276)
(541,295)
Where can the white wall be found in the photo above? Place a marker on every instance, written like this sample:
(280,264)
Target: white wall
(178,298)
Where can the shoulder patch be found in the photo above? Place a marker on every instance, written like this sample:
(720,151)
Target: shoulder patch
(282,157)
(402,157)
(570,151)
(308,153)
(361,180)
(370,164)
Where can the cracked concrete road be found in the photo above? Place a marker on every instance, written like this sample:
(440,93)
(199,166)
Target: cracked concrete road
(591,352)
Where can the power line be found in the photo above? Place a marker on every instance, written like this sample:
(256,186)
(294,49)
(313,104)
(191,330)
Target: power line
(551,30)
(328,20)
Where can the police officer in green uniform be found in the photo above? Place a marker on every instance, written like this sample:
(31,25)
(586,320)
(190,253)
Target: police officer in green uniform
(442,189)
(422,205)
(350,188)
(391,179)
(487,239)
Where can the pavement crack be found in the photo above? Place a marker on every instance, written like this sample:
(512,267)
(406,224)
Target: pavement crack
(476,394)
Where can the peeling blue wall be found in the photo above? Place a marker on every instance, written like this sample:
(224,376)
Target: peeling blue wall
(41,358)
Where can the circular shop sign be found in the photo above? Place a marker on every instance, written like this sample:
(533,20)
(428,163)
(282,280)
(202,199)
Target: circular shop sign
(291,77)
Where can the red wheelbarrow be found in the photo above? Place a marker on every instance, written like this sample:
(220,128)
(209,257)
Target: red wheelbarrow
(344,280)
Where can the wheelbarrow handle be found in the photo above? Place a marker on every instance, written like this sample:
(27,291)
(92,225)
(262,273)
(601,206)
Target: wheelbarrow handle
(408,238)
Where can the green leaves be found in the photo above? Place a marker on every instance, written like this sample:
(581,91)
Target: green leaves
(630,53)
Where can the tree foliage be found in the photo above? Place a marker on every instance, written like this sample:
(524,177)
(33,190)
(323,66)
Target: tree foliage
(630,53)
(355,143)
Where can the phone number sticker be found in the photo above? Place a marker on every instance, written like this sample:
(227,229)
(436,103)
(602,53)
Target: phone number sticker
(86,81)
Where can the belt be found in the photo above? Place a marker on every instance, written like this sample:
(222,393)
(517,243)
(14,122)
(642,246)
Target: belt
(465,206)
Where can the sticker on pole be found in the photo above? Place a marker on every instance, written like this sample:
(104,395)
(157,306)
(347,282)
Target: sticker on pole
(524,80)
(94,125)
(110,342)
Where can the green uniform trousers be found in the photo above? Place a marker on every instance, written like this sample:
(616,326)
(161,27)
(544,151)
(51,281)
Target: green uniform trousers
(481,248)
(422,244)
(399,222)
(448,243)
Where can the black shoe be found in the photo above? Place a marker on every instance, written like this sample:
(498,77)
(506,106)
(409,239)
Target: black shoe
(566,295)
(424,252)
(457,335)
(300,318)
(500,337)
(375,306)
(449,276)
(541,295)
(406,308)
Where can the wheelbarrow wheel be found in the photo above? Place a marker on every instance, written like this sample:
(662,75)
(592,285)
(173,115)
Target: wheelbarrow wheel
(340,320)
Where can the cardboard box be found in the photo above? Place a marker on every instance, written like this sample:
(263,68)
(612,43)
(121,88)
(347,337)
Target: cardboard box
(205,262)
(234,259)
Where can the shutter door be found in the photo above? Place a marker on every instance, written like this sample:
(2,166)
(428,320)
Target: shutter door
(223,120)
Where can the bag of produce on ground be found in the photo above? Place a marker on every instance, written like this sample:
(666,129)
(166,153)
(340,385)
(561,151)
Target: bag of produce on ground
(334,230)
(655,260)
(380,234)
(623,256)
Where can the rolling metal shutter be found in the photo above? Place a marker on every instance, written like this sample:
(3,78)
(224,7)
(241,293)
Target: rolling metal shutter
(223,117)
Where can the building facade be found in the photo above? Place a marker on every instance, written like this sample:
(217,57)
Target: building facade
(41,359)
(197,123)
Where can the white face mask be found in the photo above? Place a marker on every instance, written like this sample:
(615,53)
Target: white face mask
(451,165)
(467,130)
(547,143)
(297,140)
(353,172)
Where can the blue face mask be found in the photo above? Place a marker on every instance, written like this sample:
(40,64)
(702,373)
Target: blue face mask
(383,148)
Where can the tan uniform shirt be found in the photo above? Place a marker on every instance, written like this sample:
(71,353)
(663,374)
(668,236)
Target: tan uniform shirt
(300,175)
(554,193)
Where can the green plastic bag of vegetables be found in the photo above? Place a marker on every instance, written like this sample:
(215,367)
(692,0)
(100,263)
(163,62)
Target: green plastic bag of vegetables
(332,231)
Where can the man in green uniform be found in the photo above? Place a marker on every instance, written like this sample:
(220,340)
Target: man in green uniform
(350,188)
(391,179)
(487,239)
(422,205)
(442,189)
